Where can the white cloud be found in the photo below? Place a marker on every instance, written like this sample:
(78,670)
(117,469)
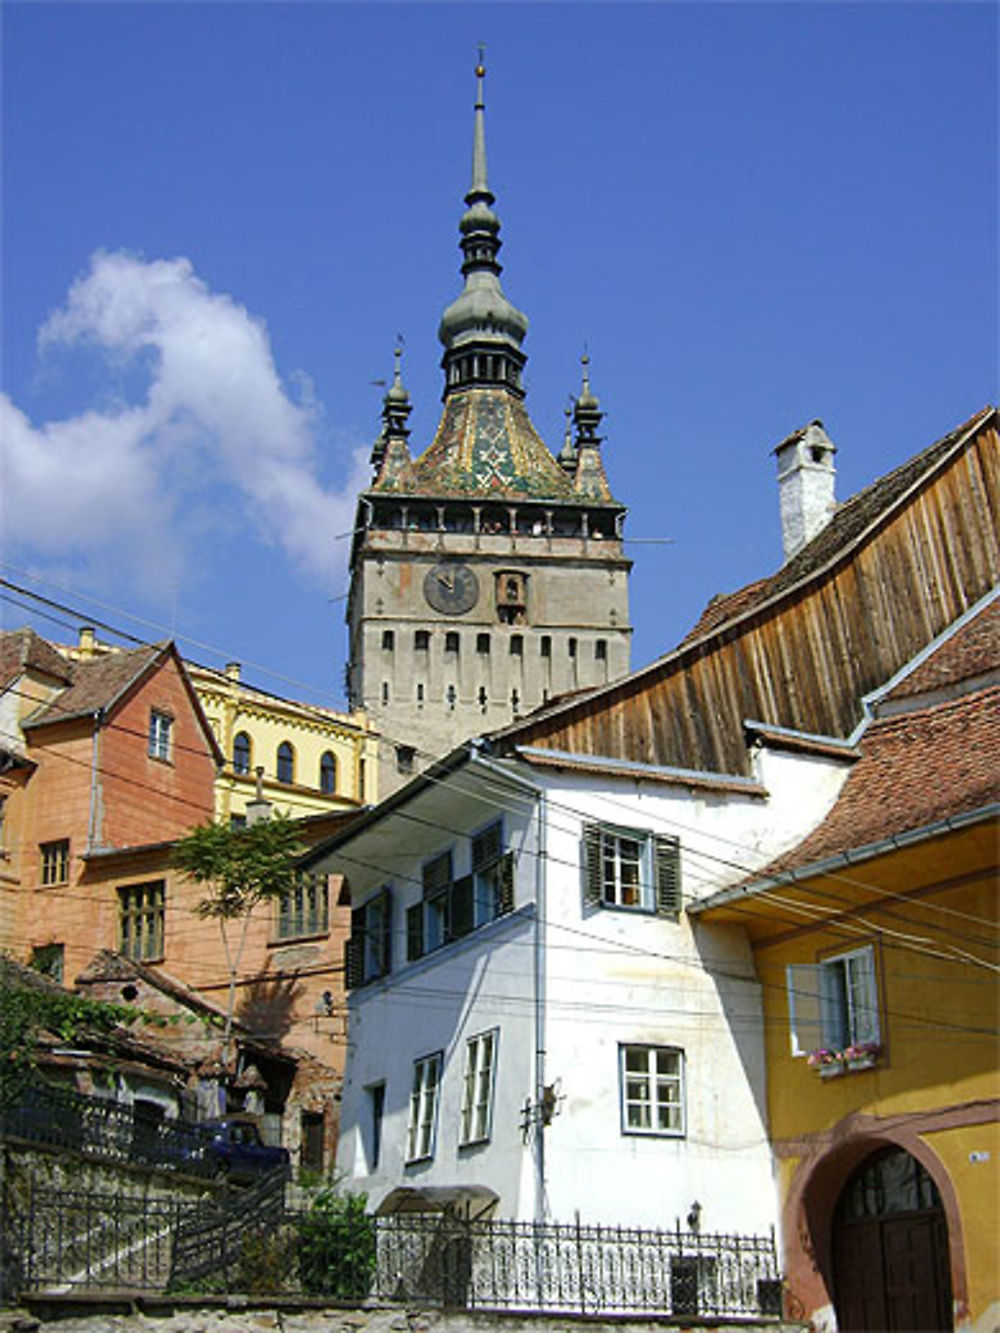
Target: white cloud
(143,481)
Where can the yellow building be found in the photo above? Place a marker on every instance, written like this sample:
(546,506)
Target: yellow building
(875,943)
(314,760)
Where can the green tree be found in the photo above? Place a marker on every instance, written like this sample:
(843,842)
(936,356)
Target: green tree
(242,867)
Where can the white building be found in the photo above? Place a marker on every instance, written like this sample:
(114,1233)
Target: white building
(535,1024)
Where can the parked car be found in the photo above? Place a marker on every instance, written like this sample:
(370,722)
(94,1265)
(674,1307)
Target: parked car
(233,1143)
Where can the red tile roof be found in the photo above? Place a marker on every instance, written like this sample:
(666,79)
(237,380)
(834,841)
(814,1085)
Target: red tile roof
(23,650)
(916,769)
(97,684)
(972,652)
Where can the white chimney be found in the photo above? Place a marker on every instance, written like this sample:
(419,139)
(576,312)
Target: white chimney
(806,485)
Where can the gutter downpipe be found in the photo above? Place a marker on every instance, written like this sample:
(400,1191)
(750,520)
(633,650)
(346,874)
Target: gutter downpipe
(538,966)
(94,757)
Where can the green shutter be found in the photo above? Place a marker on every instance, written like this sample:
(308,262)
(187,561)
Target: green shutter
(354,951)
(506,872)
(593,884)
(668,876)
(414,932)
(384,944)
(461,918)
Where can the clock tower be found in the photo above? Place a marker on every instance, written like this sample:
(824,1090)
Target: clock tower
(487,573)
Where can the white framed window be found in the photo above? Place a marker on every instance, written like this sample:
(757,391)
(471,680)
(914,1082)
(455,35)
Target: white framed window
(631,869)
(477,1090)
(652,1090)
(833,1004)
(423,1107)
(161,726)
(493,875)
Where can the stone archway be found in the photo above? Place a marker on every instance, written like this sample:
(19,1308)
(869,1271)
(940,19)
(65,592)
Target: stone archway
(889,1244)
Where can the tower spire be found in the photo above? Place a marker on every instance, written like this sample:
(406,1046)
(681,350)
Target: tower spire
(481,331)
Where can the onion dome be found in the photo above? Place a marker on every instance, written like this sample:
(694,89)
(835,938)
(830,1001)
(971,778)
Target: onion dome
(391,453)
(481,331)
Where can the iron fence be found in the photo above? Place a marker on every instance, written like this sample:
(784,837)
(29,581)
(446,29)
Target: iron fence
(99,1127)
(248,1242)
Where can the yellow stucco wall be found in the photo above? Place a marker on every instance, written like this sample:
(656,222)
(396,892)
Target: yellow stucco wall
(930,912)
(233,707)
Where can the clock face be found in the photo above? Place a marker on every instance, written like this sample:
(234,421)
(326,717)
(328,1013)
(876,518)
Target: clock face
(451,589)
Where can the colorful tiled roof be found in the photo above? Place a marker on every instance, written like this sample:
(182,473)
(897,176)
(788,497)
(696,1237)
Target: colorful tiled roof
(485,447)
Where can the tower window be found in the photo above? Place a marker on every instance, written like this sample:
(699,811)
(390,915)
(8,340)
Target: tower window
(420,692)
(241,753)
(482,697)
(451,696)
(572,647)
(483,644)
(546,646)
(385,691)
(422,640)
(451,641)
(286,763)
(388,640)
(517,645)
(405,754)
(601,650)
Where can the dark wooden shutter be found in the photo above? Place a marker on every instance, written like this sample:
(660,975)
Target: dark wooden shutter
(487,845)
(384,944)
(354,950)
(414,932)
(506,873)
(461,917)
(668,876)
(593,880)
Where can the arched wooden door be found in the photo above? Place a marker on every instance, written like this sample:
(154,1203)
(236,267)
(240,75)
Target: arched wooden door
(891,1272)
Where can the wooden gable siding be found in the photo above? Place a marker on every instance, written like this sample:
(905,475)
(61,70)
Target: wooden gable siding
(805,660)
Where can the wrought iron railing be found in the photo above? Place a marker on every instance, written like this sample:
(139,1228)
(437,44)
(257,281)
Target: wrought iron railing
(99,1127)
(248,1242)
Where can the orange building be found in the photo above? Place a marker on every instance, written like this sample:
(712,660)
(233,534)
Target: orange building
(875,943)
(106,761)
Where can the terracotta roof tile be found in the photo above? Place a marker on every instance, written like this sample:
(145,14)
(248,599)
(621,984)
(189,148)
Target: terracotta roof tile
(96,684)
(23,650)
(915,769)
(973,651)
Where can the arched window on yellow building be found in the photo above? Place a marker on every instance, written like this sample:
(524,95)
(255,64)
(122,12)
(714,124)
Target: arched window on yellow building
(241,753)
(286,763)
(328,773)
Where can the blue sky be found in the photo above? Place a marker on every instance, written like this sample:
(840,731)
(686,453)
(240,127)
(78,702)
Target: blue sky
(217,218)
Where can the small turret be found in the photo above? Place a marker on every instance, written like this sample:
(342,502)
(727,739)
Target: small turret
(590,480)
(391,451)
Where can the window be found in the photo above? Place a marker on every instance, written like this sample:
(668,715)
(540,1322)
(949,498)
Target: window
(437,885)
(517,645)
(451,641)
(140,920)
(423,1107)
(450,907)
(376,1115)
(385,691)
(286,763)
(632,869)
(55,861)
(477,1091)
(48,959)
(306,909)
(405,755)
(652,1088)
(237,821)
(571,647)
(388,641)
(420,691)
(367,951)
(422,640)
(483,644)
(834,1004)
(601,650)
(493,875)
(161,726)
(327,773)
(241,753)
(546,645)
